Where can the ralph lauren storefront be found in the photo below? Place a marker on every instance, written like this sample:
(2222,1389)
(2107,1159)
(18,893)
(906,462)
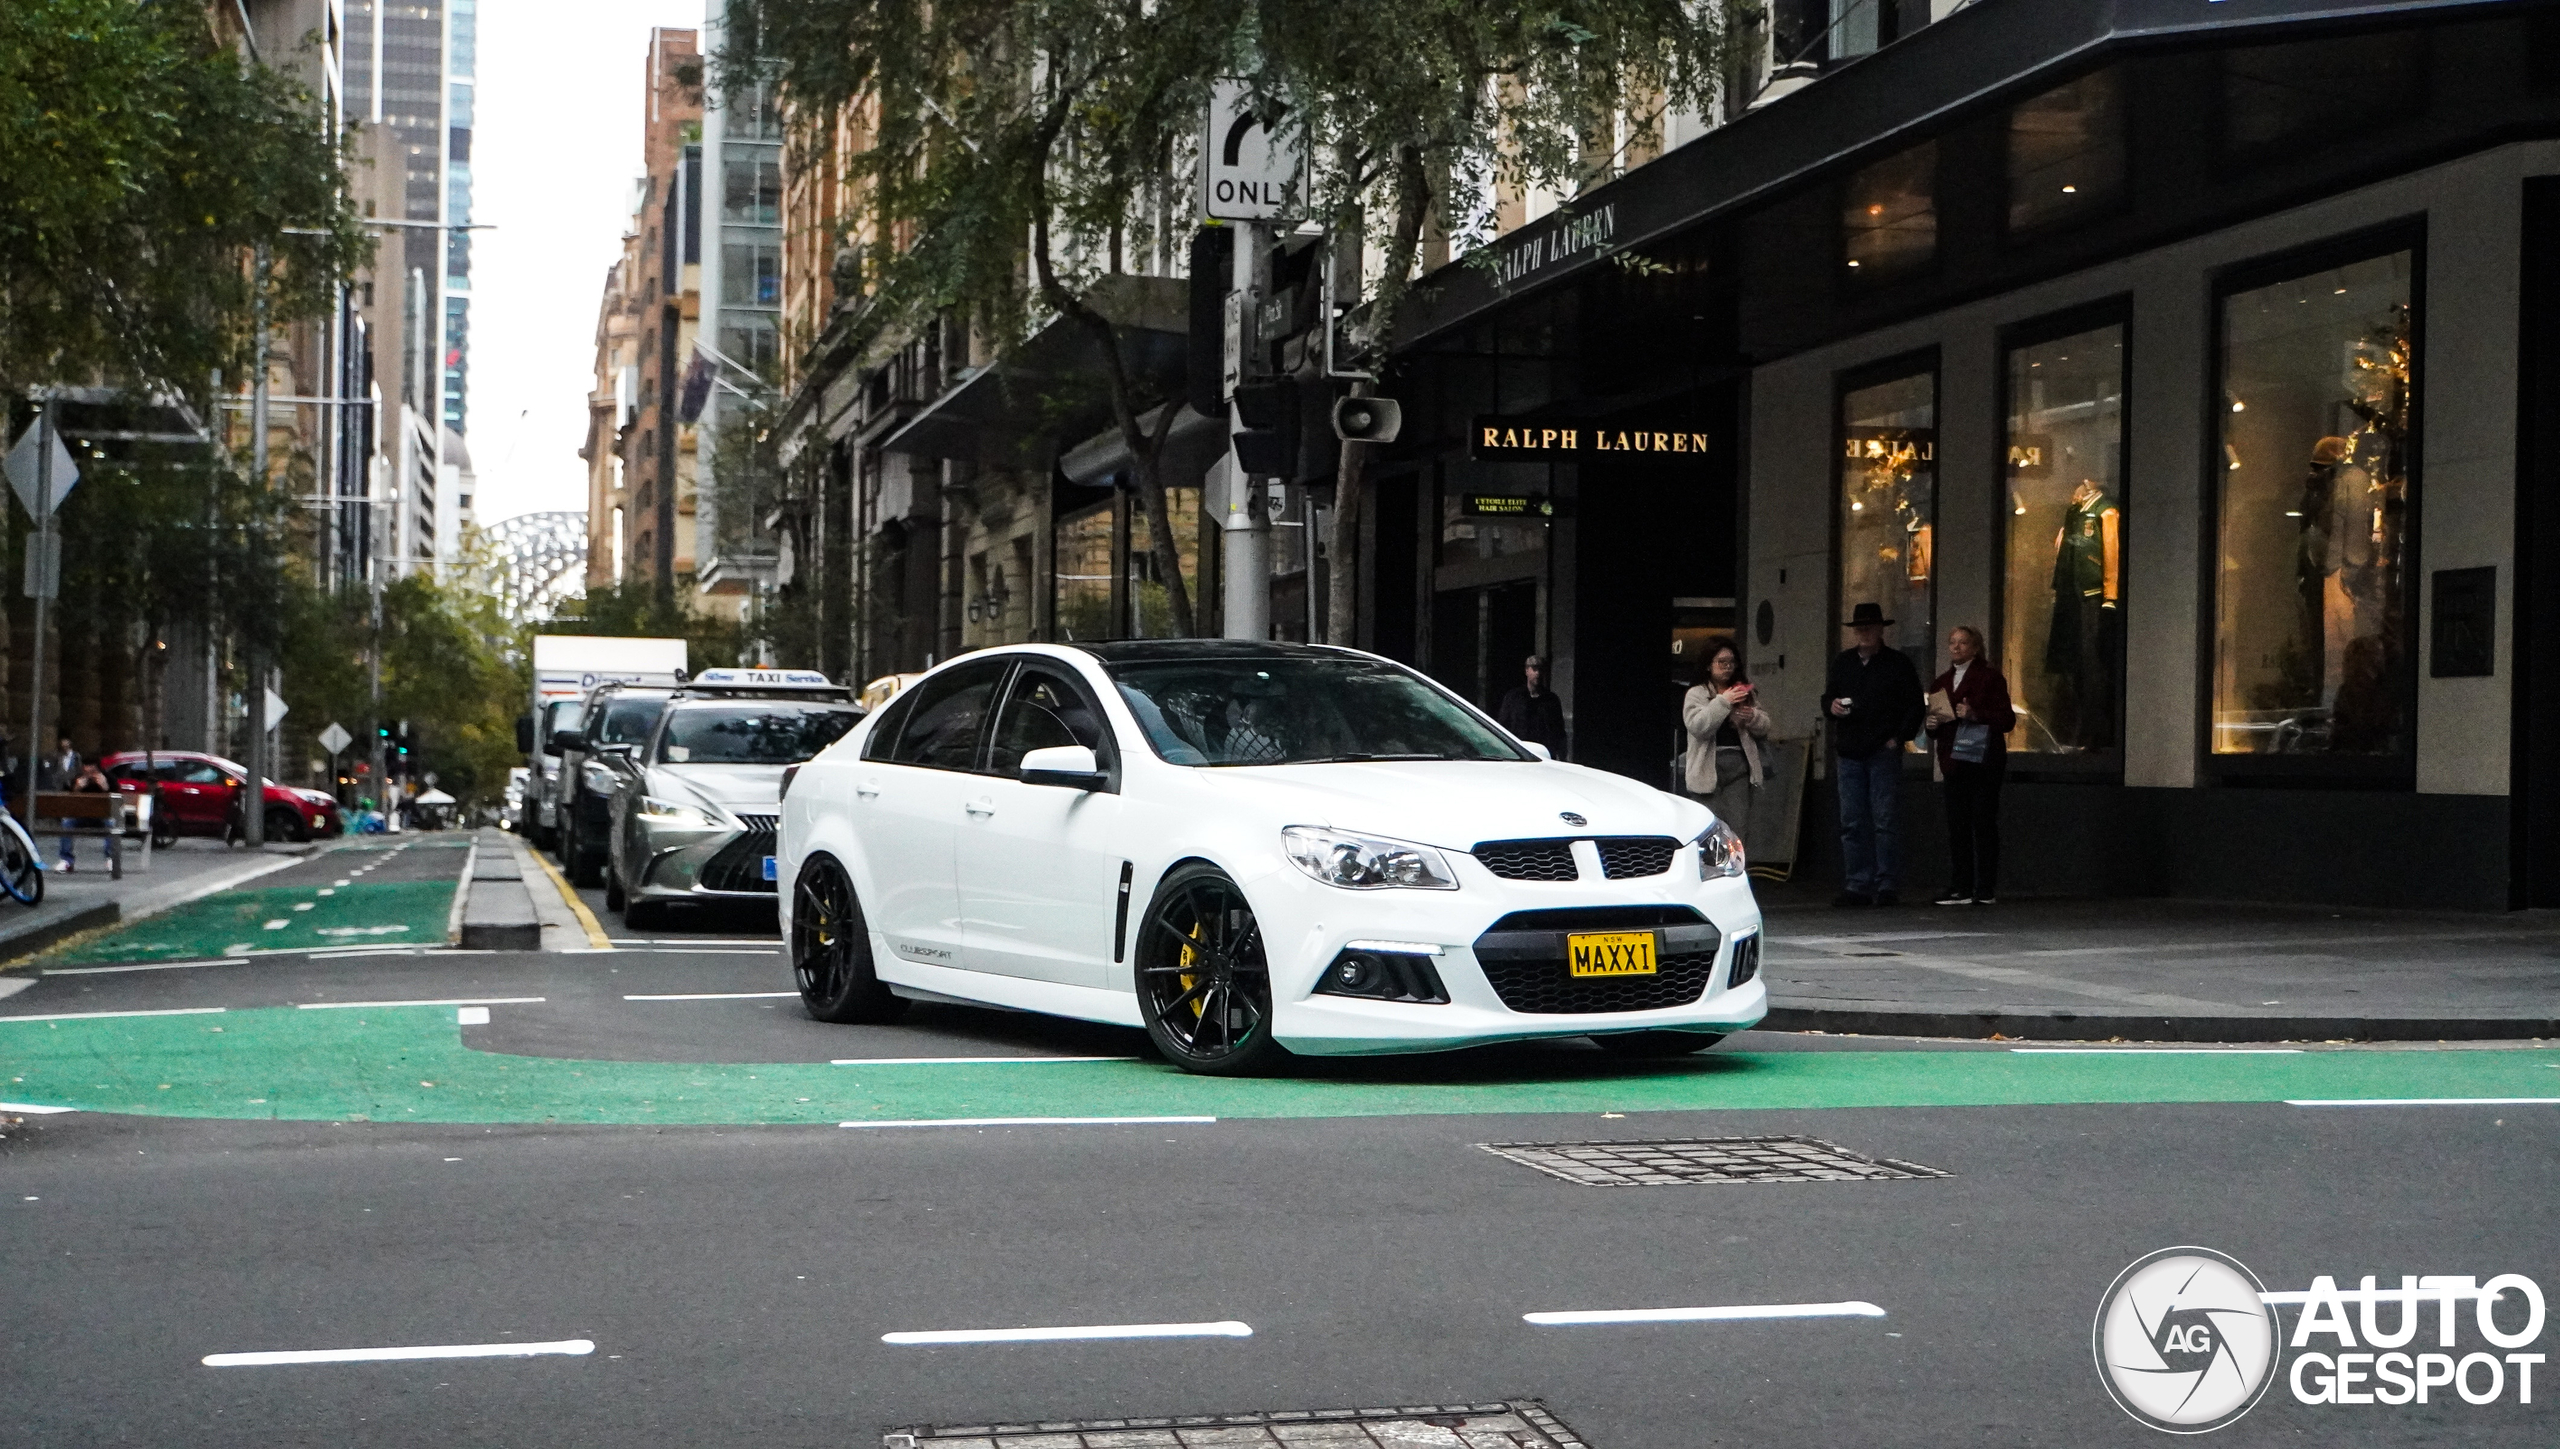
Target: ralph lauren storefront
(2201,357)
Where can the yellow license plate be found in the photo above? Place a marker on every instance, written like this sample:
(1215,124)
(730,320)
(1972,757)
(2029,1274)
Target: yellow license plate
(1610,953)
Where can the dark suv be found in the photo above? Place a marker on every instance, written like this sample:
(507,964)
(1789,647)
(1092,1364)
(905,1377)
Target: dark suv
(593,759)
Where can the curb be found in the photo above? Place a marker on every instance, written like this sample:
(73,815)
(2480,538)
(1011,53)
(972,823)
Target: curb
(495,906)
(2072,1026)
(36,936)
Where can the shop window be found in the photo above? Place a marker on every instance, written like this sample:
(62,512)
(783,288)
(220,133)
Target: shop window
(1084,575)
(2066,153)
(751,187)
(2280,100)
(751,272)
(1889,216)
(1889,509)
(2062,634)
(2311,607)
(1150,607)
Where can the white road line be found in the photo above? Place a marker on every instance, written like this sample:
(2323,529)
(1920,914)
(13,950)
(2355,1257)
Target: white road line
(144,966)
(572,1347)
(717,996)
(1227,1329)
(33,1109)
(2422,1101)
(1732,1313)
(442,1001)
(698,951)
(2157,1051)
(960,1061)
(1031,1122)
(471,1016)
(102,1015)
(705,941)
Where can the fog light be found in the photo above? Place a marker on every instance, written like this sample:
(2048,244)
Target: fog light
(1353,973)
(1383,976)
(1746,961)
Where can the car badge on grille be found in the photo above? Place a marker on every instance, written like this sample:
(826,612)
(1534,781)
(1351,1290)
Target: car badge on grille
(1569,818)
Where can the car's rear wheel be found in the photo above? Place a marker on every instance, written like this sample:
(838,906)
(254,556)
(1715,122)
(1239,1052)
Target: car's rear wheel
(831,950)
(1204,983)
(1643,1044)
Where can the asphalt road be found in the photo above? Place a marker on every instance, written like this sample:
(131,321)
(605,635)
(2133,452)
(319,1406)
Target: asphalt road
(736,1278)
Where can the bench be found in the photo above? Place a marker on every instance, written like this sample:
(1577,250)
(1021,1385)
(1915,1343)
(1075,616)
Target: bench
(107,815)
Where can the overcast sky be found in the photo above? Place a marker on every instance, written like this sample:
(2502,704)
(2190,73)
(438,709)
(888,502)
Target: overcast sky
(553,157)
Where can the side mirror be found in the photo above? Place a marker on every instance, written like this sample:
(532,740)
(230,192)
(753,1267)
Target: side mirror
(1541,751)
(524,734)
(565,740)
(1072,766)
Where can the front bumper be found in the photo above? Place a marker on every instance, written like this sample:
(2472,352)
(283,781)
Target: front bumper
(1308,926)
(693,863)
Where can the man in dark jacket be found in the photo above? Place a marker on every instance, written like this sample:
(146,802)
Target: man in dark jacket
(1872,699)
(1532,711)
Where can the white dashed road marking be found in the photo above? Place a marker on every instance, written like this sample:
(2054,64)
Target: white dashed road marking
(1730,1313)
(1033,1122)
(1226,1329)
(572,1347)
(101,1015)
(717,996)
(2422,1101)
(448,1001)
(985,1062)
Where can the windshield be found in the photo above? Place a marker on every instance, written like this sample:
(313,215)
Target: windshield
(1286,711)
(628,720)
(753,734)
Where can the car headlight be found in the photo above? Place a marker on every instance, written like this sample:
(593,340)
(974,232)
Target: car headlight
(1365,862)
(671,812)
(1719,852)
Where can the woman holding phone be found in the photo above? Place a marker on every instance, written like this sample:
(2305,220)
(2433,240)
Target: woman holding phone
(1725,723)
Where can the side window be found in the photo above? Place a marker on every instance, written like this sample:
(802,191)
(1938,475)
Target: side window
(949,717)
(203,773)
(1045,709)
(880,743)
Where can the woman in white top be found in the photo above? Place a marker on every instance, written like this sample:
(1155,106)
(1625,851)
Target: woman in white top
(1725,723)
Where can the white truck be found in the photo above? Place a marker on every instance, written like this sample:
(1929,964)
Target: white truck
(566,668)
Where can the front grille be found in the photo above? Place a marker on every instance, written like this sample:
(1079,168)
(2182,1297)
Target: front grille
(1523,957)
(739,865)
(1623,857)
(1547,860)
(761,824)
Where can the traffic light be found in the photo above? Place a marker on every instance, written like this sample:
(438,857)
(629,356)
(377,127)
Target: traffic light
(1267,440)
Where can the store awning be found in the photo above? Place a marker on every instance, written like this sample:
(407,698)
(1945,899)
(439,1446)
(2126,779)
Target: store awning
(1049,391)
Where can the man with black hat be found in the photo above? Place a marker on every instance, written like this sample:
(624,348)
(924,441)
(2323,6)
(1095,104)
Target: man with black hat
(1872,698)
(1532,710)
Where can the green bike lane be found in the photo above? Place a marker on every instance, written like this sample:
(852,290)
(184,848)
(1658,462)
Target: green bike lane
(411,1063)
(376,891)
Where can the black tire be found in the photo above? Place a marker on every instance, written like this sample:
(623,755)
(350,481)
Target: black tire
(831,950)
(1204,983)
(615,899)
(586,864)
(283,824)
(644,915)
(1648,1044)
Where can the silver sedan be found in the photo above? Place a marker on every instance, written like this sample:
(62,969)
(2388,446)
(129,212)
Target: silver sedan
(694,817)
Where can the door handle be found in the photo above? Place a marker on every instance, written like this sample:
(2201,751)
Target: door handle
(981,807)
(868,789)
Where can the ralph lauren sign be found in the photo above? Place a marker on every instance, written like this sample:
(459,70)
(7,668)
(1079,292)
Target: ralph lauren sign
(1551,440)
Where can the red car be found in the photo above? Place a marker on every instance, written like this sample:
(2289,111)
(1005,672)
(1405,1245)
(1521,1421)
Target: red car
(197,792)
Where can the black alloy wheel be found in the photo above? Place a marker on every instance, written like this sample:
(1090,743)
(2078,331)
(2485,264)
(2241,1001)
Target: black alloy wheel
(283,824)
(1204,984)
(1646,1044)
(831,951)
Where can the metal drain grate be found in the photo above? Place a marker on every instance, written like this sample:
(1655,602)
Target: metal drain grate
(1675,1161)
(1519,1424)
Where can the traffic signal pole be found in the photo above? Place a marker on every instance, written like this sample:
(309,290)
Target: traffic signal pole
(1245,541)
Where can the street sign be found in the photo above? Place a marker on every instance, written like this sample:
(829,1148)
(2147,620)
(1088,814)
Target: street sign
(23,471)
(1248,172)
(44,565)
(335,738)
(275,709)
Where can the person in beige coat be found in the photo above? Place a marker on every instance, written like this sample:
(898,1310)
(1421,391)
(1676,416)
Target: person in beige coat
(1725,723)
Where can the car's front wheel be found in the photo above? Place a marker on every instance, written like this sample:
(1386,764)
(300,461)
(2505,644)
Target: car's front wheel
(831,950)
(1204,983)
(1644,1044)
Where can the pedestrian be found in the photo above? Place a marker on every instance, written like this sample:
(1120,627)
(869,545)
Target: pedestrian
(1725,724)
(1872,698)
(59,771)
(89,781)
(1532,711)
(1970,717)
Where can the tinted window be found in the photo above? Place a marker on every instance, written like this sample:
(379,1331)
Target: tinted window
(1300,711)
(201,773)
(628,719)
(1043,711)
(752,734)
(949,715)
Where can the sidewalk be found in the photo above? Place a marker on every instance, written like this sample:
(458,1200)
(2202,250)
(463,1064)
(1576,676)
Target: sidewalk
(88,898)
(2159,970)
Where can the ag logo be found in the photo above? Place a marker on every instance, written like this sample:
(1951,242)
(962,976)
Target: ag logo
(2184,1341)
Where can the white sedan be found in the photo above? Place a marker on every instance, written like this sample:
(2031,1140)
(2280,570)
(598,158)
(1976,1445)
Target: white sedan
(1250,850)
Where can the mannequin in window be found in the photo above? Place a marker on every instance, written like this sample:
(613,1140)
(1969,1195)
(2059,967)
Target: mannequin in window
(2326,509)
(2080,650)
